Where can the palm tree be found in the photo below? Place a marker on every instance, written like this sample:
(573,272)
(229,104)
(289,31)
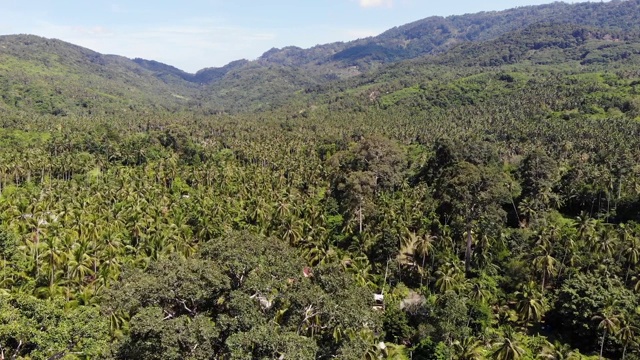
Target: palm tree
(508,347)
(292,229)
(528,210)
(558,351)
(361,268)
(469,349)
(480,291)
(607,242)
(586,227)
(80,263)
(631,251)
(394,351)
(569,246)
(407,254)
(448,278)
(424,247)
(319,252)
(609,323)
(545,264)
(627,334)
(530,304)
(53,257)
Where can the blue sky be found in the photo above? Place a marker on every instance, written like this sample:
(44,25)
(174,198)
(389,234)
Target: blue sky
(192,35)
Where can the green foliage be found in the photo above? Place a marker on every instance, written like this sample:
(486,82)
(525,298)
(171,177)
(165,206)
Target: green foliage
(39,329)
(245,298)
(478,202)
(152,337)
(396,325)
(428,350)
(584,297)
(265,343)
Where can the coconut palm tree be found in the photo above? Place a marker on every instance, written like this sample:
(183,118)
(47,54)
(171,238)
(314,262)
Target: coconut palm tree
(448,278)
(558,351)
(507,347)
(609,323)
(627,334)
(631,250)
(530,305)
(424,248)
(545,263)
(469,348)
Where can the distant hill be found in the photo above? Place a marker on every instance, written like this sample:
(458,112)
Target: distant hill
(51,76)
(437,34)
(546,43)
(323,65)
(204,76)
(54,77)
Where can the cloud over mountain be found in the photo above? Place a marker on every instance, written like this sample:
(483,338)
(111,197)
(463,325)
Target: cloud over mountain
(376,3)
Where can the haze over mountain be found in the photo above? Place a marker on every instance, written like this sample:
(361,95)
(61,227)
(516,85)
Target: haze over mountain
(65,78)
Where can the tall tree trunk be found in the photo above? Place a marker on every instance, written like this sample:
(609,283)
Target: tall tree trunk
(422,275)
(561,267)
(37,238)
(604,335)
(52,273)
(360,216)
(626,277)
(467,254)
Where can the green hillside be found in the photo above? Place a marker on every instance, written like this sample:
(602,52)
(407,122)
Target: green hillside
(53,77)
(489,34)
(279,75)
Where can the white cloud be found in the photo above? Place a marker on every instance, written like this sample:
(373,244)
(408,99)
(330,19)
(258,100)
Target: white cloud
(376,3)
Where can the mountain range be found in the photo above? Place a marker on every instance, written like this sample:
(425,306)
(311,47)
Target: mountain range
(50,76)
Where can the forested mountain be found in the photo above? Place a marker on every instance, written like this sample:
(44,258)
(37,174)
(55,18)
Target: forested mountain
(438,34)
(469,190)
(279,74)
(54,77)
(297,68)
(204,76)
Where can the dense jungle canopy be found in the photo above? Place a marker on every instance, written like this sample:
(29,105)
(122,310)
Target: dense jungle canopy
(471,194)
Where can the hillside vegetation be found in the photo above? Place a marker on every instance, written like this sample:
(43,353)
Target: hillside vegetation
(474,199)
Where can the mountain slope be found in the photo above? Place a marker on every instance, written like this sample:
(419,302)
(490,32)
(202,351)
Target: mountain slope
(55,77)
(437,34)
(324,64)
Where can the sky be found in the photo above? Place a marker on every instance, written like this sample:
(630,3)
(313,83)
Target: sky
(196,34)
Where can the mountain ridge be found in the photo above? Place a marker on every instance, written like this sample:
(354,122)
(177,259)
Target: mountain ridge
(555,12)
(279,75)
